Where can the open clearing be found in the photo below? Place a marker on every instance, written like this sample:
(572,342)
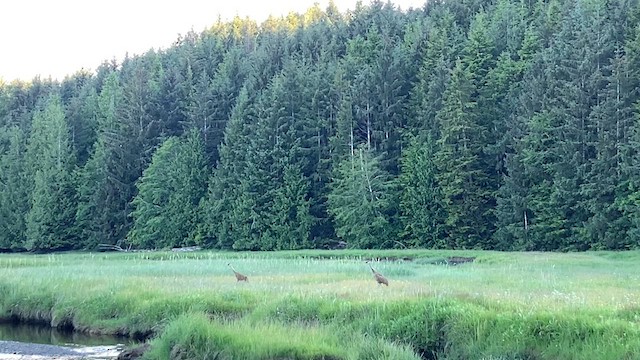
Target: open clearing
(140,294)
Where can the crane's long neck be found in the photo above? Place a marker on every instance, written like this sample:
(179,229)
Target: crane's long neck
(372,270)
(232,269)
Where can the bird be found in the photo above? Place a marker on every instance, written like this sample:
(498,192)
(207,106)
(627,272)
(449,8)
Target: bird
(239,277)
(380,279)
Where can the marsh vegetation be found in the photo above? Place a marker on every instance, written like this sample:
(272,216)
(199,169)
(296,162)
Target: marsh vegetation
(326,304)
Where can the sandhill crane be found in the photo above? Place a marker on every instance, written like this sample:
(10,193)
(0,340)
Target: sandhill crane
(239,277)
(379,278)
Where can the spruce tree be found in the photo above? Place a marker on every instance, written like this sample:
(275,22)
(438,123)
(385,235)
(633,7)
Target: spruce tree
(461,170)
(363,202)
(421,208)
(227,208)
(14,197)
(291,220)
(50,220)
(169,193)
(103,187)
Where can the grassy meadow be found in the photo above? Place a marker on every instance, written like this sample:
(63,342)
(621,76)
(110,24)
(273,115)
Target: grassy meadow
(326,304)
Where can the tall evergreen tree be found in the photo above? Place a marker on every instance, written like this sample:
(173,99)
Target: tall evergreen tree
(291,219)
(363,202)
(169,193)
(14,195)
(228,207)
(103,187)
(441,49)
(50,220)
(519,93)
(461,170)
(422,210)
(628,127)
(79,99)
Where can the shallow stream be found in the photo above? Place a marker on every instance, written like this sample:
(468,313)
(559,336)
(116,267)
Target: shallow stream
(35,342)
(45,335)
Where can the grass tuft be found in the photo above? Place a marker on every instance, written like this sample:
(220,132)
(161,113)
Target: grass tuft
(196,336)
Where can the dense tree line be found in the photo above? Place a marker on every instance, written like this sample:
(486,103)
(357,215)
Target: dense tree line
(510,125)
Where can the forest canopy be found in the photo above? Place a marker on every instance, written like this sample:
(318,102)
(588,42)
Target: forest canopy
(507,125)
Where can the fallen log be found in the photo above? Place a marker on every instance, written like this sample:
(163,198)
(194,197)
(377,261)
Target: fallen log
(109,247)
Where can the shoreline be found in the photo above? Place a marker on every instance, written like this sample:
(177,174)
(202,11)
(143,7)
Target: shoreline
(15,350)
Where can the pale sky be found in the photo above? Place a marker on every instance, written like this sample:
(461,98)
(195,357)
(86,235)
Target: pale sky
(60,37)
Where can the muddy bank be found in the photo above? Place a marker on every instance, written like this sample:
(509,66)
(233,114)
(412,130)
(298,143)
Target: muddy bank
(14,350)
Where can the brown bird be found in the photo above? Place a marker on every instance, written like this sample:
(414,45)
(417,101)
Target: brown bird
(379,278)
(239,277)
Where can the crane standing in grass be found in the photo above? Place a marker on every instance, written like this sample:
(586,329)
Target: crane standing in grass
(379,278)
(239,277)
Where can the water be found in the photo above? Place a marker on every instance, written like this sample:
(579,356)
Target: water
(39,334)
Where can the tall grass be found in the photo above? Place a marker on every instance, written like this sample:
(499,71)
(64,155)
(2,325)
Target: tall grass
(197,336)
(503,305)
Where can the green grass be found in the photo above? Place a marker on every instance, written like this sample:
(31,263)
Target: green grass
(325,304)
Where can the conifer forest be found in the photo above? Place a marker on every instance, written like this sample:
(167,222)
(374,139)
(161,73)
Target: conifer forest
(464,124)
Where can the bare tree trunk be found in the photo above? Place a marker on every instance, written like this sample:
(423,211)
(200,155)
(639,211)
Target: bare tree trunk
(368,127)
